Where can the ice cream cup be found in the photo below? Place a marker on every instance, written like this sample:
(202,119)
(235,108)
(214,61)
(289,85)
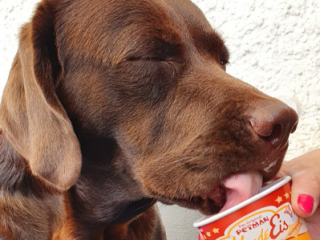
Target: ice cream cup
(265,216)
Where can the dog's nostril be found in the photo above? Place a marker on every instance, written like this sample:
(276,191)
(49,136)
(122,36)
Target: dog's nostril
(273,121)
(275,136)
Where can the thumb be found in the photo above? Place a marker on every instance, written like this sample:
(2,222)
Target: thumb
(305,175)
(305,194)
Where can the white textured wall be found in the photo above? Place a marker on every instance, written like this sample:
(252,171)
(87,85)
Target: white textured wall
(274,45)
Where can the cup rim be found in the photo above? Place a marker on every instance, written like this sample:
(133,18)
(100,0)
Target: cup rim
(265,190)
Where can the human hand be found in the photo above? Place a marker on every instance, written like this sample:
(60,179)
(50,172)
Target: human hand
(305,174)
(305,194)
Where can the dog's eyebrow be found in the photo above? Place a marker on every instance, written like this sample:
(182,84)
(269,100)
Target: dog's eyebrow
(214,44)
(210,43)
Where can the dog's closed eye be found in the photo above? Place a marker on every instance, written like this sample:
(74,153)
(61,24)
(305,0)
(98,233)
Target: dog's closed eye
(224,62)
(224,57)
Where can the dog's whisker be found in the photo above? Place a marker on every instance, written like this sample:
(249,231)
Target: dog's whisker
(163,157)
(200,175)
(146,205)
(225,22)
(181,161)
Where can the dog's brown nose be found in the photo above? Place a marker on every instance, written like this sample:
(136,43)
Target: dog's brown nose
(274,121)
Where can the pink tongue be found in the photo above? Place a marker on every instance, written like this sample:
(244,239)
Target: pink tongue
(240,187)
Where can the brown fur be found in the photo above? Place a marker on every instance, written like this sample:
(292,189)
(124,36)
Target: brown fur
(113,105)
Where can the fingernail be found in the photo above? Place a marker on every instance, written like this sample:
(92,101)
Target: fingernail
(305,202)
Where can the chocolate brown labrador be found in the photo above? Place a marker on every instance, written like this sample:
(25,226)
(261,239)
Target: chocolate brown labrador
(112,105)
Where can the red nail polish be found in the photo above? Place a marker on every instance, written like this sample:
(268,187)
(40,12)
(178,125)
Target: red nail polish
(305,203)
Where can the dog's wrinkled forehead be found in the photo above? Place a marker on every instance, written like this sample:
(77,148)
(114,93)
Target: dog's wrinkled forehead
(117,29)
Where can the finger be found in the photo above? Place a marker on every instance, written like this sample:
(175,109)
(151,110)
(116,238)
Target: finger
(305,193)
(305,175)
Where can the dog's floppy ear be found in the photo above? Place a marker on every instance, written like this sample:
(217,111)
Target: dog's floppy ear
(31,115)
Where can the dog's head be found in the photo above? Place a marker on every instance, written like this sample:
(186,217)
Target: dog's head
(150,75)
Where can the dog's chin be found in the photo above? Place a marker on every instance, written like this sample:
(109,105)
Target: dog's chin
(207,204)
(232,191)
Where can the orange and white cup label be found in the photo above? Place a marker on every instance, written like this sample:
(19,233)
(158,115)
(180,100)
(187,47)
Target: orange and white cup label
(266,216)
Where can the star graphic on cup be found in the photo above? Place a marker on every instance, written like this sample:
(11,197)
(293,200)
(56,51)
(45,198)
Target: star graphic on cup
(287,195)
(279,200)
(215,230)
